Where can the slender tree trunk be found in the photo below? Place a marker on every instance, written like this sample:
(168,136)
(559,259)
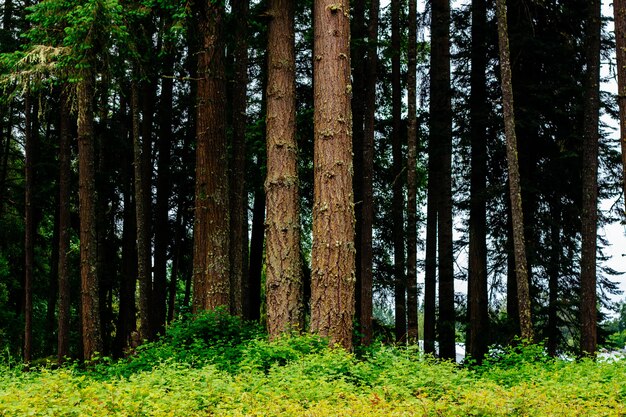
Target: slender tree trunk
(441,128)
(211,260)
(357,53)
(411,278)
(478,306)
(29,226)
(90,303)
(367,206)
(589,217)
(619,9)
(519,246)
(332,257)
(239,196)
(397,208)
(162,232)
(284,290)
(512,303)
(64,229)
(143,234)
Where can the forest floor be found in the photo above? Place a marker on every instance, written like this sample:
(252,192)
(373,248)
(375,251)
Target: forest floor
(237,372)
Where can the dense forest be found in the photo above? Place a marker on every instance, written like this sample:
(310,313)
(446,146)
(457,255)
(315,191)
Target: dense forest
(301,163)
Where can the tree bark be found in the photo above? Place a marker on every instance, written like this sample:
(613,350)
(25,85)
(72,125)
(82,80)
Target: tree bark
(90,303)
(29,226)
(441,133)
(411,278)
(333,252)
(619,9)
(589,217)
(64,228)
(519,246)
(367,206)
(256,255)
(478,306)
(211,260)
(239,196)
(284,289)
(397,208)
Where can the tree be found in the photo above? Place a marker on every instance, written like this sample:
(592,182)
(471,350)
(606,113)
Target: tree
(411,277)
(29,226)
(517,216)
(589,217)
(477,271)
(211,260)
(367,206)
(619,9)
(284,290)
(333,252)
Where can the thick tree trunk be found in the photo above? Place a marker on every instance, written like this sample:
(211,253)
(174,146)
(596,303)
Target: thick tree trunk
(589,217)
(478,303)
(284,290)
(397,208)
(333,252)
(367,206)
(90,303)
(411,278)
(619,9)
(64,229)
(143,234)
(239,196)
(441,133)
(29,226)
(211,259)
(430,263)
(519,246)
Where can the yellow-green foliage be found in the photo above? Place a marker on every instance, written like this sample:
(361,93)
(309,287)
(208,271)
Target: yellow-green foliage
(324,382)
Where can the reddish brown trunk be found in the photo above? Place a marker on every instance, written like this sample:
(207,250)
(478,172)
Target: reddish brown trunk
(211,259)
(332,257)
(282,225)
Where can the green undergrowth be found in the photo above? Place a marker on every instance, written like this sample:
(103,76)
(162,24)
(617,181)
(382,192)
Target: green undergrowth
(218,366)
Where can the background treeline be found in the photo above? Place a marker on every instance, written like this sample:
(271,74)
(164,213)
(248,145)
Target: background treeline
(144,143)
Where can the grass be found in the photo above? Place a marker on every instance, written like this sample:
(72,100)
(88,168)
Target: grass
(226,368)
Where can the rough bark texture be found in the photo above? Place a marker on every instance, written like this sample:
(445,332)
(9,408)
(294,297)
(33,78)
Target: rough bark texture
(90,303)
(367,206)
(589,218)
(411,234)
(397,207)
(333,253)
(64,228)
(211,259)
(239,197)
(619,9)
(519,246)
(29,227)
(282,225)
(441,133)
(143,234)
(478,307)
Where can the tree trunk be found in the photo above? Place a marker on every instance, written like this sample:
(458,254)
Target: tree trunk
(284,289)
(619,9)
(441,128)
(143,234)
(411,278)
(367,206)
(553,276)
(64,228)
(589,217)
(478,302)
(430,263)
(91,332)
(239,196)
(256,255)
(29,226)
(333,252)
(519,246)
(397,208)
(211,260)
